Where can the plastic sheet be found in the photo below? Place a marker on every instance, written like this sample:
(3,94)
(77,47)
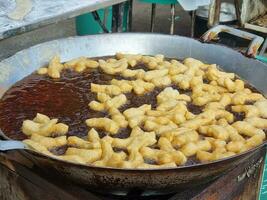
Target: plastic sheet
(193,4)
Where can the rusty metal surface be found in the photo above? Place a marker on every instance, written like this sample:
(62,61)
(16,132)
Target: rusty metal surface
(253,47)
(123,180)
(46,12)
(231,187)
(159,181)
(35,184)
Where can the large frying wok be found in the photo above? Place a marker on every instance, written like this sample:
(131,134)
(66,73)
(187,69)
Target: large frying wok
(125,180)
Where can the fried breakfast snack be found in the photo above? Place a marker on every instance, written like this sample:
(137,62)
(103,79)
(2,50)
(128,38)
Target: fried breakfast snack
(43,125)
(199,112)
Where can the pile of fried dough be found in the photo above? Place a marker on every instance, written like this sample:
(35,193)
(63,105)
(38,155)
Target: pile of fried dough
(167,135)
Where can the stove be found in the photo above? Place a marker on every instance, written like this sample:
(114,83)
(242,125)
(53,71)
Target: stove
(21,179)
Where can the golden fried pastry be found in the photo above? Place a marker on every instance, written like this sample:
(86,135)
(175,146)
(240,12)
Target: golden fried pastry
(141,87)
(111,90)
(136,116)
(250,110)
(124,85)
(261,104)
(43,125)
(118,117)
(241,97)
(55,67)
(171,94)
(103,123)
(109,157)
(198,110)
(132,59)
(88,155)
(49,142)
(80,64)
(74,141)
(138,73)
(216,131)
(115,67)
(155,74)
(37,147)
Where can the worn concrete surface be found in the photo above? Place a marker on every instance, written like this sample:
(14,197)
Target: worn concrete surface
(141,23)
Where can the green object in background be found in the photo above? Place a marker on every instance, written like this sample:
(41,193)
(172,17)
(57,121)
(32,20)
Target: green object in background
(261,58)
(125,17)
(160,1)
(86,24)
(263,191)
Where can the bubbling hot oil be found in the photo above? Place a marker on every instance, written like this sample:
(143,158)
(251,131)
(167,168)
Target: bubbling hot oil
(67,99)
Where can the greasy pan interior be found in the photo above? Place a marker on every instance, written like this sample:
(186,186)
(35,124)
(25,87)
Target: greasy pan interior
(25,62)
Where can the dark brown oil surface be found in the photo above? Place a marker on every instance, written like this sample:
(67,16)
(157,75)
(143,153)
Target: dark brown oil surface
(67,99)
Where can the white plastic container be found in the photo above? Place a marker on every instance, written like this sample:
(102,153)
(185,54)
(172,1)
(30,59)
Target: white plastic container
(193,4)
